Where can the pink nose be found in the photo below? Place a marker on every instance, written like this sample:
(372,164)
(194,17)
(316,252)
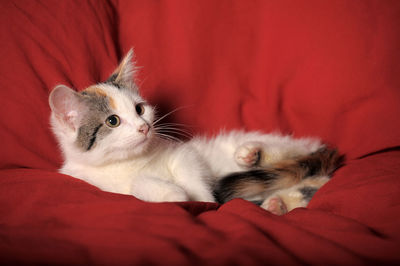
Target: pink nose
(144,129)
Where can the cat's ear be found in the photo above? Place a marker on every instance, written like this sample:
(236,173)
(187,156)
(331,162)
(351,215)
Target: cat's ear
(67,106)
(123,75)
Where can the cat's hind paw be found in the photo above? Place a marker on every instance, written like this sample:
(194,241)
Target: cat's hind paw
(248,154)
(275,205)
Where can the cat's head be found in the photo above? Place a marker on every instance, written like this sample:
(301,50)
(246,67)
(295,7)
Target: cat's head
(106,122)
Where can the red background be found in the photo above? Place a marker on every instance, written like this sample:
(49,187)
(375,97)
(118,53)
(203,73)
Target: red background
(309,68)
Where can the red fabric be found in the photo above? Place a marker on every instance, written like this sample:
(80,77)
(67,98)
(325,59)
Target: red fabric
(310,68)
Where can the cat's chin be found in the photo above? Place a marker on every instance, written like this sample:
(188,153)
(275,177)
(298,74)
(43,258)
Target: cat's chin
(139,148)
(142,144)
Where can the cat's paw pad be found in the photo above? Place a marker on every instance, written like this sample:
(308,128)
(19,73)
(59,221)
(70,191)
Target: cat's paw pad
(275,205)
(248,154)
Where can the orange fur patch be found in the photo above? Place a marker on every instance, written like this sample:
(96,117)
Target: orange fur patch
(101,93)
(251,188)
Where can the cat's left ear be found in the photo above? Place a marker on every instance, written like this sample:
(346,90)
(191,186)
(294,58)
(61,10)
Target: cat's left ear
(67,106)
(123,75)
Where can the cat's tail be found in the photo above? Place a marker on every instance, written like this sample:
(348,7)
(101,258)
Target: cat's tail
(254,185)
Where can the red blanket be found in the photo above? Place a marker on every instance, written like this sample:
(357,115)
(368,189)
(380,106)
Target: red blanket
(329,69)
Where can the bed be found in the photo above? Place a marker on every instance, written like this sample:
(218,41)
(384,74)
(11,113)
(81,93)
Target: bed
(329,69)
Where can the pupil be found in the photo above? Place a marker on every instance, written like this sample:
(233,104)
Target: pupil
(139,109)
(113,120)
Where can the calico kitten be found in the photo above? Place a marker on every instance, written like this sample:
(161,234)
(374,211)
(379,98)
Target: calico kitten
(110,138)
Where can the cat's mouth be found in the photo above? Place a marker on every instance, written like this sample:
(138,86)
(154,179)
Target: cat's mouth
(141,143)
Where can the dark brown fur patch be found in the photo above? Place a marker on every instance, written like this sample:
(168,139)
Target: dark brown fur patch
(322,162)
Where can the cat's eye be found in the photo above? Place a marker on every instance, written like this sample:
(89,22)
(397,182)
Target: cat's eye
(139,108)
(113,121)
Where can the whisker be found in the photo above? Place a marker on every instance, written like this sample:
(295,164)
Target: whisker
(183,134)
(164,116)
(168,130)
(176,124)
(168,137)
(162,127)
(173,128)
(142,81)
(169,113)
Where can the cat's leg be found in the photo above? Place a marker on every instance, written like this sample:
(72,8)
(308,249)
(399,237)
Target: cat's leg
(249,154)
(192,173)
(263,150)
(275,205)
(285,200)
(153,189)
(261,154)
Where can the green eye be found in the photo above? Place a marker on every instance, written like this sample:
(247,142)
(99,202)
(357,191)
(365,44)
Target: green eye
(113,121)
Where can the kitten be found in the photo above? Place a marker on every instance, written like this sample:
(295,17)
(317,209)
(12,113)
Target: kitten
(110,138)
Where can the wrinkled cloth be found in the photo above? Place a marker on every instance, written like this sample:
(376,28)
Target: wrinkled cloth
(328,69)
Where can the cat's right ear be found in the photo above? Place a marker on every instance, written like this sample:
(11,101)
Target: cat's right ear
(67,106)
(123,75)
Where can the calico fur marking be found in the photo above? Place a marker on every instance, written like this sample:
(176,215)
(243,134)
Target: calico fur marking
(112,80)
(255,184)
(247,184)
(322,162)
(94,136)
(91,128)
(308,192)
(89,133)
(95,91)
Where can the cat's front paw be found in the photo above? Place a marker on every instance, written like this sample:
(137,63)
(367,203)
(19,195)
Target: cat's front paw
(248,154)
(275,205)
